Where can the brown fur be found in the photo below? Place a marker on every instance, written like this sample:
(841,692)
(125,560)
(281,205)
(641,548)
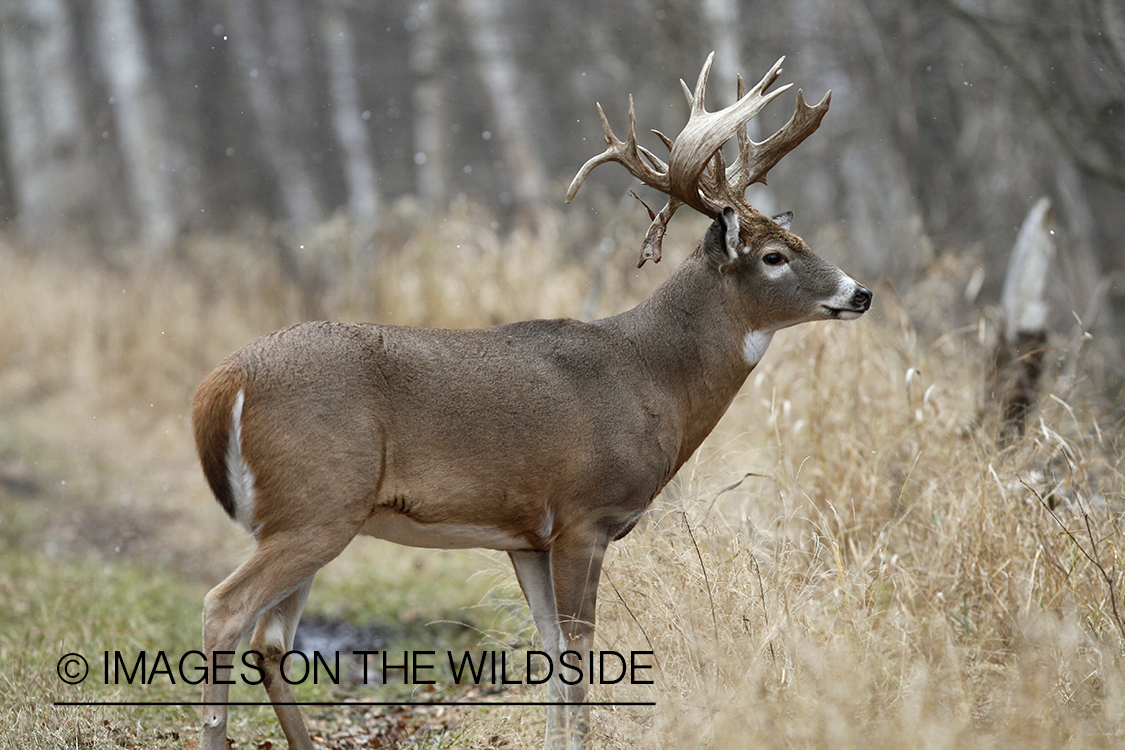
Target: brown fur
(211,421)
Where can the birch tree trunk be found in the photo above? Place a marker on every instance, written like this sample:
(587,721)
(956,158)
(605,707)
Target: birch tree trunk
(183,80)
(722,24)
(294,182)
(488,23)
(430,129)
(360,175)
(721,19)
(139,115)
(47,145)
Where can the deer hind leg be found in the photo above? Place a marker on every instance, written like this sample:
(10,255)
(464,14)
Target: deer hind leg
(272,639)
(576,566)
(273,582)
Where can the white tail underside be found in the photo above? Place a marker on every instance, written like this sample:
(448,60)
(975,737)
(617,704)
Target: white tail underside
(241,478)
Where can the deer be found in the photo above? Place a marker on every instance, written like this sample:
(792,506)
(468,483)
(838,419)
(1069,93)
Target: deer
(544,439)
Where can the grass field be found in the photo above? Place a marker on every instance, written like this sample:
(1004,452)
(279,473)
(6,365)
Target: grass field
(849,561)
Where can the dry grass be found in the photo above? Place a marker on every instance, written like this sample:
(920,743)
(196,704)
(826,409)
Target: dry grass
(848,562)
(890,579)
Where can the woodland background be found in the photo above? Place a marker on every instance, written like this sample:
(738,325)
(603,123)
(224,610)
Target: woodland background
(139,122)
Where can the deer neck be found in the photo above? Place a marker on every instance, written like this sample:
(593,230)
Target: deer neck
(695,350)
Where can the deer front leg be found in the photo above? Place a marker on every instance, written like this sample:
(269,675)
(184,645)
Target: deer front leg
(533,571)
(576,566)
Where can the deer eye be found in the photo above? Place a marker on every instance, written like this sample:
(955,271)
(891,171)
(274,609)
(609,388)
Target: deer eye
(774,259)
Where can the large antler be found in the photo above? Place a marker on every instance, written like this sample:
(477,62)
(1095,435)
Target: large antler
(696,174)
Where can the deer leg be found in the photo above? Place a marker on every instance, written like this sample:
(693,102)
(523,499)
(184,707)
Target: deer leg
(533,571)
(280,567)
(576,566)
(272,639)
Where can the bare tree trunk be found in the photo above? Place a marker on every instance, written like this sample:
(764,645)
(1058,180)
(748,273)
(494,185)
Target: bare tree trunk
(295,184)
(48,149)
(140,121)
(488,24)
(1019,356)
(175,56)
(1025,309)
(722,24)
(1114,19)
(430,130)
(359,166)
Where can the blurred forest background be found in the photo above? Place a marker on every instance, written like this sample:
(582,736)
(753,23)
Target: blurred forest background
(135,123)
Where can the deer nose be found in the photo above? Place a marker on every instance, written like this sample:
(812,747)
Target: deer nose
(861,300)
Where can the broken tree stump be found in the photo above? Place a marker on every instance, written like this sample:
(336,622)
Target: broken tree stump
(1018,361)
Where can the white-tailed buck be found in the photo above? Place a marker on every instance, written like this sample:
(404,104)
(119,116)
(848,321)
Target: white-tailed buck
(546,439)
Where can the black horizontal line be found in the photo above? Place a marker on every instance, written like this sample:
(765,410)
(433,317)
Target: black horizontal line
(355,703)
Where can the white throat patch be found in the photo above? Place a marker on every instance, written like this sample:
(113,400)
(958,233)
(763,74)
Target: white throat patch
(754,345)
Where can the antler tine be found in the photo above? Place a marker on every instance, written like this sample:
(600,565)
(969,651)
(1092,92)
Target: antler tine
(687,91)
(769,78)
(627,153)
(667,141)
(657,163)
(700,86)
(743,141)
(601,158)
(654,238)
(762,157)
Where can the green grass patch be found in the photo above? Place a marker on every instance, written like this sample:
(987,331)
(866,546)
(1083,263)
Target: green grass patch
(109,612)
(89,608)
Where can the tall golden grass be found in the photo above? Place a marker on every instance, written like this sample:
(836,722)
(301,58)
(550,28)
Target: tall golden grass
(888,577)
(849,561)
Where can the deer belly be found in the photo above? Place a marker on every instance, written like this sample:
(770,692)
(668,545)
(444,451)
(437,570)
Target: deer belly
(401,529)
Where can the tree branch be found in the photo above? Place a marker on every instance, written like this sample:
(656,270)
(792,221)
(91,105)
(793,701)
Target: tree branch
(1082,161)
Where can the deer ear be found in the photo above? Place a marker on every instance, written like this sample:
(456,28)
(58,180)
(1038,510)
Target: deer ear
(784,220)
(721,244)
